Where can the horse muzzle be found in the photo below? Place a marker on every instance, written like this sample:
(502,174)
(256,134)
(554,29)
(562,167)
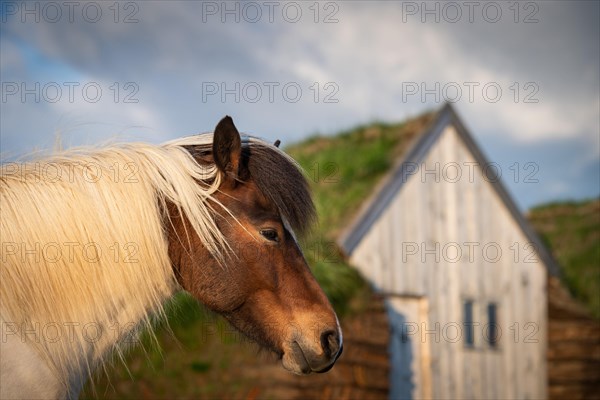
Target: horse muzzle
(302,356)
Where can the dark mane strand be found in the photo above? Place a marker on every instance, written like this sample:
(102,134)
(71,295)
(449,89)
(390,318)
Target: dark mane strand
(282,182)
(276,176)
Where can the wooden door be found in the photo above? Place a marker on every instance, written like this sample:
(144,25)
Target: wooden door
(409,351)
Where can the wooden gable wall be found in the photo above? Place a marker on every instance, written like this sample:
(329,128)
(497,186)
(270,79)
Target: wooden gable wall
(410,251)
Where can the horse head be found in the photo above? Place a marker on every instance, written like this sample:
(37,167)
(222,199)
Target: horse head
(262,284)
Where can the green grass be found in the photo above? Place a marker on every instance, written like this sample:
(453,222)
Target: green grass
(572,231)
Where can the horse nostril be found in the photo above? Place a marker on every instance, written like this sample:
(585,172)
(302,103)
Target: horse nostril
(330,342)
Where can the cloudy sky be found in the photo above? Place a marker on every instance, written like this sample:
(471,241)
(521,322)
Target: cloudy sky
(524,76)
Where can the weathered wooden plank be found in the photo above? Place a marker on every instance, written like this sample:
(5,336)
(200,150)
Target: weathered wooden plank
(452,264)
(574,350)
(481,210)
(386,246)
(542,317)
(487,280)
(462,267)
(440,229)
(426,372)
(414,234)
(398,226)
(468,272)
(577,370)
(420,233)
(574,391)
(437,301)
(582,331)
(370,357)
(505,313)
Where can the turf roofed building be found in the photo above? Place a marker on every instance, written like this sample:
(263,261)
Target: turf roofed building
(463,274)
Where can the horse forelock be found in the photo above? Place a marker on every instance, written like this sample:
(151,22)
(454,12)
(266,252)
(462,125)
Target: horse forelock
(277,175)
(281,180)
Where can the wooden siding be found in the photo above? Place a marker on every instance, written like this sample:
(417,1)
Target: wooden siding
(573,347)
(408,251)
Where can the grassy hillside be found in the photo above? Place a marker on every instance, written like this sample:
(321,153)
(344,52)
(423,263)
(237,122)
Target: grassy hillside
(572,231)
(203,356)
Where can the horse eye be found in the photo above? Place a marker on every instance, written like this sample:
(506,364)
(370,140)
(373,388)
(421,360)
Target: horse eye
(270,234)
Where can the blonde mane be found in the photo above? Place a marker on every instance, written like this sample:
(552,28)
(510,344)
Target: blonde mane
(84,249)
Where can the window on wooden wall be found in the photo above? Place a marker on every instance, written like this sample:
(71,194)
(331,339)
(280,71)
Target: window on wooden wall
(492,325)
(468,323)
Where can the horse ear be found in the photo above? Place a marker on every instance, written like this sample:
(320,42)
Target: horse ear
(227,147)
